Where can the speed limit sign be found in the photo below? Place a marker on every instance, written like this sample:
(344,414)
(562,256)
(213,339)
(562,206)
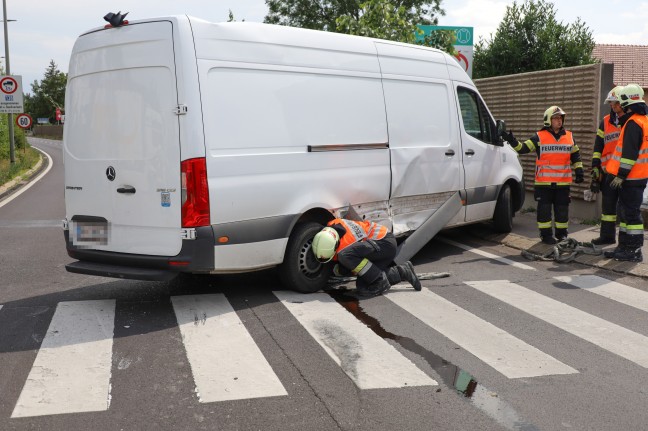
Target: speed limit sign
(24,121)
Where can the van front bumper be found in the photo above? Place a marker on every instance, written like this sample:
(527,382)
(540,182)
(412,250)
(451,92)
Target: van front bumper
(196,256)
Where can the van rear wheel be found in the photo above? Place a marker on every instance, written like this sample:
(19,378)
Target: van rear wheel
(300,271)
(503,216)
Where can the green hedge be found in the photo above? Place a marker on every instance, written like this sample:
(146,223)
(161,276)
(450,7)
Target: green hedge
(26,157)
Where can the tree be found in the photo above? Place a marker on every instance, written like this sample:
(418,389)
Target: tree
(384,19)
(322,14)
(529,38)
(47,95)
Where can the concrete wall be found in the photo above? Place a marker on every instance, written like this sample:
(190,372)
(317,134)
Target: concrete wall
(521,100)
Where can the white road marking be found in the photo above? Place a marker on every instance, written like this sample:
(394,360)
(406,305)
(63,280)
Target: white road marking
(225,361)
(505,353)
(370,361)
(72,370)
(487,254)
(32,182)
(610,289)
(607,335)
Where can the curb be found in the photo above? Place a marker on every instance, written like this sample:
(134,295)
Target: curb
(520,242)
(14,185)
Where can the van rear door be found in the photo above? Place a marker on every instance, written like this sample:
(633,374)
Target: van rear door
(121,142)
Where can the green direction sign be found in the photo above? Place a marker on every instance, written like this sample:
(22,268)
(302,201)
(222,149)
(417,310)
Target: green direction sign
(464,34)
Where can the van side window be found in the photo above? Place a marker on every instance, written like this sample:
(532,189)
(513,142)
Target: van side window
(477,122)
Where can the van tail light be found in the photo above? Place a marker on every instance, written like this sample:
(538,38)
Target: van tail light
(195,193)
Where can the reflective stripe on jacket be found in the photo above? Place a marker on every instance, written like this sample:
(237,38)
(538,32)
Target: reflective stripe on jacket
(358,231)
(553,164)
(638,168)
(611,138)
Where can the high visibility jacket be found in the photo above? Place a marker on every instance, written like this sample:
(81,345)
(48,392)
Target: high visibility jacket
(611,137)
(553,164)
(358,231)
(638,168)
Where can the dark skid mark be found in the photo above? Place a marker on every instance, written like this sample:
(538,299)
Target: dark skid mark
(463,382)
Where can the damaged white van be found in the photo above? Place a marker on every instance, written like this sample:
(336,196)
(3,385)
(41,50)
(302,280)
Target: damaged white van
(212,148)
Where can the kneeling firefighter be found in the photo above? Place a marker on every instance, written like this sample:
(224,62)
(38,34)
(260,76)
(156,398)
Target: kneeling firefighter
(364,249)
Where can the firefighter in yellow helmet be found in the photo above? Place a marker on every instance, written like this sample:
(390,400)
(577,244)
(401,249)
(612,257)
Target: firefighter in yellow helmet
(629,168)
(607,136)
(556,155)
(364,249)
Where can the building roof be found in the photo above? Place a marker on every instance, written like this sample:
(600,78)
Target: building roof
(630,62)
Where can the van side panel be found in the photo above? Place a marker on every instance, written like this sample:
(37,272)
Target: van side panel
(292,130)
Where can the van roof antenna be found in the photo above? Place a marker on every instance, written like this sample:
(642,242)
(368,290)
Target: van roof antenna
(116,19)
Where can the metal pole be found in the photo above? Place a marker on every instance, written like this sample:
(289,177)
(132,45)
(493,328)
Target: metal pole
(12,155)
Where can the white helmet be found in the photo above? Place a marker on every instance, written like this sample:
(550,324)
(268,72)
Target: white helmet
(551,112)
(630,94)
(325,243)
(613,95)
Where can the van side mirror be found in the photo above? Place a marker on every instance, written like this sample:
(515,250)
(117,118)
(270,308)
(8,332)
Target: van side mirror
(500,125)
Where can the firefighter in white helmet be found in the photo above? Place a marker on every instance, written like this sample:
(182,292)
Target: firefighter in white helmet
(629,168)
(556,155)
(607,136)
(364,249)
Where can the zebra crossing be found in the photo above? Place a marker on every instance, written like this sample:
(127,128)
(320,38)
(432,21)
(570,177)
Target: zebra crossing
(72,369)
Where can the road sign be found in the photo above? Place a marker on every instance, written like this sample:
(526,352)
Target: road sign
(24,121)
(11,94)
(463,45)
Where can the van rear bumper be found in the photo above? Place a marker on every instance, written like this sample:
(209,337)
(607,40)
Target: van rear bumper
(196,255)
(114,271)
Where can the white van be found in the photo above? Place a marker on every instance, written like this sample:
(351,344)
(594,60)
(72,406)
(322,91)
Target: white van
(212,148)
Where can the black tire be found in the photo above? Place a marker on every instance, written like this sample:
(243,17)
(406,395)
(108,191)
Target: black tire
(300,271)
(503,216)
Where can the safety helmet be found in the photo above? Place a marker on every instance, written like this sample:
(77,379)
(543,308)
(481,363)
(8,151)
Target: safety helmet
(613,95)
(551,112)
(325,243)
(630,94)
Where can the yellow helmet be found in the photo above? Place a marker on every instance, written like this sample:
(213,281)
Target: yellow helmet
(325,243)
(613,95)
(552,111)
(630,94)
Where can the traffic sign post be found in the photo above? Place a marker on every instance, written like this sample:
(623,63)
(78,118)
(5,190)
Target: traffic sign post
(24,121)
(11,95)
(463,45)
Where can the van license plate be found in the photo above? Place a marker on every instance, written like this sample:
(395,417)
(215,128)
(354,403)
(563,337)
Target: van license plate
(91,233)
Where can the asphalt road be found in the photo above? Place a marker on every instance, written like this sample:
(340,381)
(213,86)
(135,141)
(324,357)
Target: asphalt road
(500,344)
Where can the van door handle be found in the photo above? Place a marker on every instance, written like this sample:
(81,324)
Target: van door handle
(126,189)
(470,153)
(449,153)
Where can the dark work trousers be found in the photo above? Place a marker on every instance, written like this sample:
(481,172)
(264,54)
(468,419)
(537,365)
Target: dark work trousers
(380,254)
(631,233)
(610,199)
(556,198)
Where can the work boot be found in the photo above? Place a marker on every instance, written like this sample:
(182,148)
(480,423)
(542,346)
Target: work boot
(601,240)
(378,287)
(561,237)
(629,255)
(408,274)
(548,239)
(609,254)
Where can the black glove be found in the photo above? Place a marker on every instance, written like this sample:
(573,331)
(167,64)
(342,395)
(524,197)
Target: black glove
(508,137)
(580,177)
(595,186)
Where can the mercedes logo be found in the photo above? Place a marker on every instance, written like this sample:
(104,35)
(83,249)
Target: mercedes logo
(110,173)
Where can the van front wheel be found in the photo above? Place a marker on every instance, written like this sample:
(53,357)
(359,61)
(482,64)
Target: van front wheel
(503,216)
(300,271)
